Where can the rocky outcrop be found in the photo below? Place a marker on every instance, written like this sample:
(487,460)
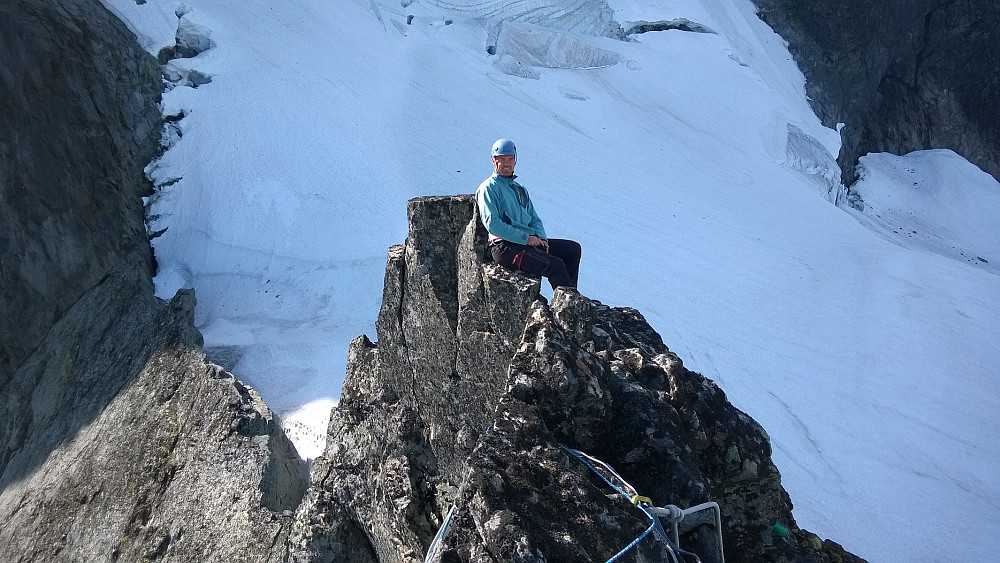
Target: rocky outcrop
(118,440)
(78,99)
(467,398)
(414,407)
(177,461)
(902,75)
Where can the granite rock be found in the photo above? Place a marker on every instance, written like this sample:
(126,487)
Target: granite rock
(78,100)
(465,407)
(902,75)
(118,440)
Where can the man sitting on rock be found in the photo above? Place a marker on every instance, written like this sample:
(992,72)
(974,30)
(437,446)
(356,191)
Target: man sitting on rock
(517,237)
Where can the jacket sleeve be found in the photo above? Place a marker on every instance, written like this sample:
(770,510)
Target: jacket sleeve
(536,221)
(491,213)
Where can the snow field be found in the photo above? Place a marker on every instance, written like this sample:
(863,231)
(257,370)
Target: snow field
(692,171)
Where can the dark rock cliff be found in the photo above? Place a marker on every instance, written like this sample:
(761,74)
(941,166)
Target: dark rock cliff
(473,385)
(78,122)
(902,75)
(118,440)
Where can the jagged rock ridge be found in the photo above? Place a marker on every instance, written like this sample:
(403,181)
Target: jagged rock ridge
(118,440)
(472,386)
(121,442)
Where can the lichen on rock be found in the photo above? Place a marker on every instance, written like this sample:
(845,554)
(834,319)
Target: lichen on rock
(466,401)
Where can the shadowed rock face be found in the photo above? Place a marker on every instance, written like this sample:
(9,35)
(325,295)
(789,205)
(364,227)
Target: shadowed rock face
(79,122)
(902,75)
(178,461)
(473,413)
(118,440)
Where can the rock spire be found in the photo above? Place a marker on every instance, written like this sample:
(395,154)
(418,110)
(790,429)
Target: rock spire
(467,398)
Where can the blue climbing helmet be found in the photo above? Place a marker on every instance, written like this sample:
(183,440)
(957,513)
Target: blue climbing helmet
(503,147)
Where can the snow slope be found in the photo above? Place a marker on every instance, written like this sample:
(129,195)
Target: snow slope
(933,200)
(689,166)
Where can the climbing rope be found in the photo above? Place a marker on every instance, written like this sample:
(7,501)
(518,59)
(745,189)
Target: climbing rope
(673,513)
(629,493)
(633,544)
(436,544)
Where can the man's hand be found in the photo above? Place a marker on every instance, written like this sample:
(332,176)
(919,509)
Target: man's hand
(538,242)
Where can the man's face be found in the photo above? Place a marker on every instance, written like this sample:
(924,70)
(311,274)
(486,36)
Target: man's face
(503,164)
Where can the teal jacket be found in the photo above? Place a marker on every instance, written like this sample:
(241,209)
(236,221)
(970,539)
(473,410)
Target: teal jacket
(506,210)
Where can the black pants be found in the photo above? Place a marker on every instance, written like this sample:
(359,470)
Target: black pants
(561,264)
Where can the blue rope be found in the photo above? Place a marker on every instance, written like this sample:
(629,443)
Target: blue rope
(653,521)
(592,468)
(436,544)
(664,538)
(443,530)
(633,544)
(653,526)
